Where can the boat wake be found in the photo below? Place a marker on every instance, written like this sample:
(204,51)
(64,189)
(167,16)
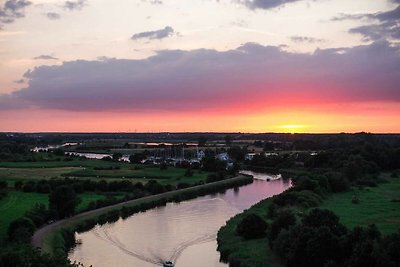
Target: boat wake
(114,241)
(175,248)
(181,247)
(154,258)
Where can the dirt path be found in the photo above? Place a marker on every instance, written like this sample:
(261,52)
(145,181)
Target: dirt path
(39,237)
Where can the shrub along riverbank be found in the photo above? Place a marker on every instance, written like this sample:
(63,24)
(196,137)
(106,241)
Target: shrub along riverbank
(342,177)
(300,235)
(57,238)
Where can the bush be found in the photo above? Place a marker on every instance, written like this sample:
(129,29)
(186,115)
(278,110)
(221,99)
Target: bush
(18,185)
(188,172)
(21,230)
(355,200)
(318,218)
(284,220)
(252,226)
(3,185)
(39,214)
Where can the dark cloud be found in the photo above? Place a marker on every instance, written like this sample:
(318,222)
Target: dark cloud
(206,79)
(9,102)
(391,15)
(387,30)
(305,39)
(265,4)
(344,16)
(388,26)
(12,10)
(75,5)
(158,34)
(45,57)
(53,15)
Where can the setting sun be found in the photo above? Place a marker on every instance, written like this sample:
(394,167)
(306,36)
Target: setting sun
(292,128)
(151,133)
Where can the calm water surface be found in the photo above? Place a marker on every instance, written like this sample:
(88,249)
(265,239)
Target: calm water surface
(184,233)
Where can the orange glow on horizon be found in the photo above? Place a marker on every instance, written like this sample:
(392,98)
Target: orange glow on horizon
(356,117)
(292,128)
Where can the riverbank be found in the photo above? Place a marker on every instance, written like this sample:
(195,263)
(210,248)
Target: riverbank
(48,237)
(246,253)
(374,205)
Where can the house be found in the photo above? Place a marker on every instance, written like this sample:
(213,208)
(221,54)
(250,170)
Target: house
(249,156)
(223,157)
(201,155)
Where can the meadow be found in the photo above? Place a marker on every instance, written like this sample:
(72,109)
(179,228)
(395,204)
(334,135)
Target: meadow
(376,205)
(16,204)
(96,169)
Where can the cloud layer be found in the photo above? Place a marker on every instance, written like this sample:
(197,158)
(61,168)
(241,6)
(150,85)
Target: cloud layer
(157,34)
(45,57)
(265,4)
(12,10)
(251,75)
(305,39)
(388,26)
(75,5)
(53,15)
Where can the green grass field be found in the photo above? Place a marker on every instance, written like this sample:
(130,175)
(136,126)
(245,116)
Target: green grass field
(16,204)
(380,206)
(62,163)
(11,171)
(34,173)
(169,176)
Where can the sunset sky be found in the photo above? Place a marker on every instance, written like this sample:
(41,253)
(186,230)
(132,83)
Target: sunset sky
(200,65)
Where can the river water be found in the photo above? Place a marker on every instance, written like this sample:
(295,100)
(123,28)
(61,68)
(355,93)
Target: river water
(184,233)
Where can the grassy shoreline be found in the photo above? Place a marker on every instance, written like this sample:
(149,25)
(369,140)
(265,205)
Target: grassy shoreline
(377,205)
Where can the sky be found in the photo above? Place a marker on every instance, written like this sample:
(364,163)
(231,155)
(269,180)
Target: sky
(320,66)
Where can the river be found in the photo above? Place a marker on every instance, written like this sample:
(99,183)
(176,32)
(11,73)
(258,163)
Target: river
(184,233)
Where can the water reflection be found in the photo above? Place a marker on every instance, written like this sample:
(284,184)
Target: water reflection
(184,233)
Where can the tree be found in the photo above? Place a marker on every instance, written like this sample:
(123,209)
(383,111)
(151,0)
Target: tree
(154,187)
(18,185)
(3,185)
(284,220)
(59,152)
(21,230)
(137,158)
(317,218)
(63,201)
(388,253)
(39,214)
(212,164)
(117,156)
(228,140)
(17,255)
(188,172)
(202,140)
(252,226)
(237,153)
(268,146)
